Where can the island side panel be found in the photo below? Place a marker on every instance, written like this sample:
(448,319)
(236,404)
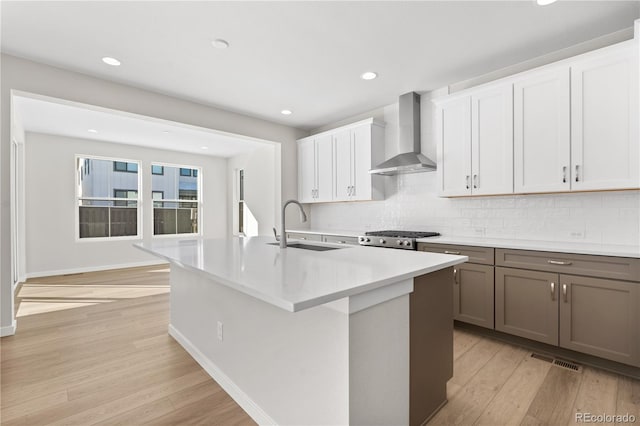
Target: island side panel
(431,353)
(290,368)
(379,364)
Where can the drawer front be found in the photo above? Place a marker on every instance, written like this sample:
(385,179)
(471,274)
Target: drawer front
(620,268)
(302,236)
(340,239)
(482,255)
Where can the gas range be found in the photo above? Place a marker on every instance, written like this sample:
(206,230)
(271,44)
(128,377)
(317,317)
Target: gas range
(394,239)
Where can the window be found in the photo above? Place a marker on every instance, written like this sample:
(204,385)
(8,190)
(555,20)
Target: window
(176,201)
(121,166)
(105,211)
(241,201)
(157,170)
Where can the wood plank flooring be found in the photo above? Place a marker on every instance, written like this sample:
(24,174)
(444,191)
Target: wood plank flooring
(93,349)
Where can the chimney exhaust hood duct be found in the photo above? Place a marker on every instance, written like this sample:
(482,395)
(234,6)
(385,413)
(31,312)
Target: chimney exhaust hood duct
(410,160)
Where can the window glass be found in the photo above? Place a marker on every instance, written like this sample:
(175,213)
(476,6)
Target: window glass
(176,201)
(157,170)
(107,199)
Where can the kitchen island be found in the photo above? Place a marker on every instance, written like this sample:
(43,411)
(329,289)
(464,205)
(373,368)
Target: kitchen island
(354,335)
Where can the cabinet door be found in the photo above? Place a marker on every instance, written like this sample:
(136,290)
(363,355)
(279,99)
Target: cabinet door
(342,162)
(473,294)
(306,171)
(361,163)
(526,304)
(324,168)
(541,132)
(600,317)
(492,141)
(604,121)
(453,131)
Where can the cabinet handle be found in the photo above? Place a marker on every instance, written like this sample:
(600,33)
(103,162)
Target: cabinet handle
(303,238)
(451,252)
(342,242)
(564,292)
(475,182)
(313,193)
(348,190)
(577,173)
(564,174)
(353,190)
(557,262)
(553,291)
(466,179)
(455,276)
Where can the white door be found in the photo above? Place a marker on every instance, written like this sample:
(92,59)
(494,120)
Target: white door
(342,163)
(492,140)
(453,130)
(324,168)
(306,171)
(604,121)
(541,132)
(361,163)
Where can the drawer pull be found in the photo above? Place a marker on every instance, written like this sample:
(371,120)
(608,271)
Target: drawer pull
(564,292)
(553,291)
(303,238)
(455,276)
(451,252)
(558,262)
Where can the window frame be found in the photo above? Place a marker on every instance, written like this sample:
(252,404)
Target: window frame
(199,202)
(78,198)
(126,166)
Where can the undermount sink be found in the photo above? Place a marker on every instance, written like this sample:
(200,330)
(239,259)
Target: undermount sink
(307,246)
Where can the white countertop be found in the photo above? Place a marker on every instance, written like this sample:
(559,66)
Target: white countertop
(553,246)
(296,279)
(333,232)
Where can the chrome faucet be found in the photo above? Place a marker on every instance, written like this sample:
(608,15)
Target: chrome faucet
(283,230)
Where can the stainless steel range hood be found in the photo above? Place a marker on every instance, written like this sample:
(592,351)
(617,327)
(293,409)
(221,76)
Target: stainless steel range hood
(410,160)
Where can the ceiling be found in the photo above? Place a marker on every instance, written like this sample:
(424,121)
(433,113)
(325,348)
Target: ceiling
(42,116)
(303,56)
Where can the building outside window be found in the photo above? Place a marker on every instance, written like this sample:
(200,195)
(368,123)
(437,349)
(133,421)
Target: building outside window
(157,170)
(176,200)
(107,199)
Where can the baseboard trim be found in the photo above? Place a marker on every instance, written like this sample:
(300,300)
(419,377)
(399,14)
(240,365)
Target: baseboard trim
(9,330)
(243,400)
(94,268)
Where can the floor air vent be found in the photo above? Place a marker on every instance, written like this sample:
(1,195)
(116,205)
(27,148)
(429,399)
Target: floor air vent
(558,362)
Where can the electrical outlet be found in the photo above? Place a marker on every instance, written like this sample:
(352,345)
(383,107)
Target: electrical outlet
(478,232)
(220,335)
(578,235)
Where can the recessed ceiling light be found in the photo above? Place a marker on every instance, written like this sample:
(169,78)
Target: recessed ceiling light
(111,61)
(285,112)
(220,43)
(204,147)
(369,75)
(166,132)
(92,131)
(545,2)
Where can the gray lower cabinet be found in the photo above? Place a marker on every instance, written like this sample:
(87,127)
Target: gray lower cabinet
(473,294)
(473,283)
(527,304)
(600,317)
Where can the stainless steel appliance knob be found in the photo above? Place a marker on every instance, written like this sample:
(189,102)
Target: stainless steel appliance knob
(382,241)
(368,240)
(407,243)
(399,242)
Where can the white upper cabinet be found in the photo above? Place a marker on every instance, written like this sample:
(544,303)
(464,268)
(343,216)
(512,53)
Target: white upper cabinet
(453,127)
(492,140)
(604,121)
(475,143)
(542,157)
(315,169)
(568,126)
(341,162)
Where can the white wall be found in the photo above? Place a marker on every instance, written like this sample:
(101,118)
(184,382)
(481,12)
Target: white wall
(28,76)
(51,225)
(411,203)
(259,190)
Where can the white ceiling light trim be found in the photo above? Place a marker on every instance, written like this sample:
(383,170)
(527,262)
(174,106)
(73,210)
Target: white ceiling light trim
(286,112)
(92,131)
(369,75)
(220,43)
(545,2)
(111,61)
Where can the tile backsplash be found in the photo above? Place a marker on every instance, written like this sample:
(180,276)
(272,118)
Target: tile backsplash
(411,203)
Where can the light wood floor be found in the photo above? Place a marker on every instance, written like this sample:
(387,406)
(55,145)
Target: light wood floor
(93,349)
